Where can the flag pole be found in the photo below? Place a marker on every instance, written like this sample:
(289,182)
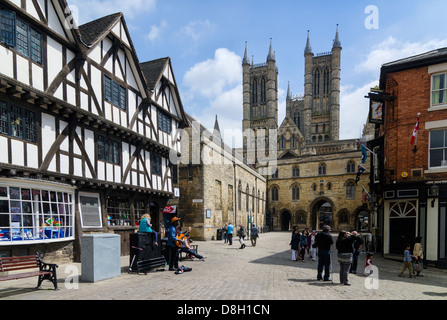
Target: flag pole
(364,168)
(360,143)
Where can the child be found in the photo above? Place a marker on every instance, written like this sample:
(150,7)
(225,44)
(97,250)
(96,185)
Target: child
(407,262)
(368,266)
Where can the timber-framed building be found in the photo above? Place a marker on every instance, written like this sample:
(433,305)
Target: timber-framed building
(85,130)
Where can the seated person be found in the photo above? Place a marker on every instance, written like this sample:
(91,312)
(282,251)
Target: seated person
(145,227)
(186,247)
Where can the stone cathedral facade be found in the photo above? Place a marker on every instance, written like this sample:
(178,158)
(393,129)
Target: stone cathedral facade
(315,181)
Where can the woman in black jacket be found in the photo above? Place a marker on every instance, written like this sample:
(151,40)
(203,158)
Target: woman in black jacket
(295,244)
(345,249)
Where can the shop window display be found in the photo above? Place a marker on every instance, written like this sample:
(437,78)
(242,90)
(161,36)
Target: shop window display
(29,214)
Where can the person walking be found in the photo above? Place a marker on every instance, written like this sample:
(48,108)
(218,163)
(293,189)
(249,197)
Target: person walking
(357,245)
(224,233)
(324,243)
(303,244)
(242,235)
(230,228)
(254,234)
(418,256)
(345,249)
(295,244)
(407,263)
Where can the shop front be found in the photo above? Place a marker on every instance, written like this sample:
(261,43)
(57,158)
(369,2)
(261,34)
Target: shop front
(416,210)
(36,216)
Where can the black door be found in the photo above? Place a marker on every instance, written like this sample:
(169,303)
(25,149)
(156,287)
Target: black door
(285,221)
(402,231)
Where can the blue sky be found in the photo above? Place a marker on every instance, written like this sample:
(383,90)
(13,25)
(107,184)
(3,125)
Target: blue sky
(206,42)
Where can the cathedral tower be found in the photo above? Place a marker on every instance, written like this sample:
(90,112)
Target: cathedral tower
(321,105)
(260,99)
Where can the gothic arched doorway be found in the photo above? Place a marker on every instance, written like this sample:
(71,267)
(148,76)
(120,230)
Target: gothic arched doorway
(322,210)
(285,220)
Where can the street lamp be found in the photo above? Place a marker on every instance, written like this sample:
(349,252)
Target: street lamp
(433,192)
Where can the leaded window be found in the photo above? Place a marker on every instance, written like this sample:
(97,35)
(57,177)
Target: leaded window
(115,93)
(109,150)
(164,122)
(156,164)
(18,122)
(7,27)
(21,36)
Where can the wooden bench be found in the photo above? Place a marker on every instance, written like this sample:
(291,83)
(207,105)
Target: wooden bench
(12,264)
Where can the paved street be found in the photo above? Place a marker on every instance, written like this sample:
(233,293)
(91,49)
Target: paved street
(264,272)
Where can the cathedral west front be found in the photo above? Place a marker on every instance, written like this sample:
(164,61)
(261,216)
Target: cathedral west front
(315,178)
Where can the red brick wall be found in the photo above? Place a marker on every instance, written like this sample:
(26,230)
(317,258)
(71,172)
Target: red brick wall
(413,90)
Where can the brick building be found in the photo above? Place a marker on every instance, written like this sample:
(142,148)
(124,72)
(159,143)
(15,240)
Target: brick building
(408,180)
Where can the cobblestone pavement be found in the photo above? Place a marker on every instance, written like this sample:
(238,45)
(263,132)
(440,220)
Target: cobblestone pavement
(264,272)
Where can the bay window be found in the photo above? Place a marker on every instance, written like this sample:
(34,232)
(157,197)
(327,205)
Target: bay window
(33,212)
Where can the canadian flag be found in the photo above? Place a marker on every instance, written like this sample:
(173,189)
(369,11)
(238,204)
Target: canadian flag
(414,137)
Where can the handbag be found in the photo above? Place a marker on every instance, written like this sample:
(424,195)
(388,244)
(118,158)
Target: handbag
(418,267)
(345,257)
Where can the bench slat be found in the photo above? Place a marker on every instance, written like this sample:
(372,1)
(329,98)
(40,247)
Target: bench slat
(23,275)
(34,257)
(18,263)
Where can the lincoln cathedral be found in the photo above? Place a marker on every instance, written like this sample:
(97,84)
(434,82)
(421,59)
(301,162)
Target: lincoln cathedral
(315,181)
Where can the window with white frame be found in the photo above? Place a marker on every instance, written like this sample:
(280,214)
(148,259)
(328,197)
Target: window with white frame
(38,213)
(439,89)
(438,148)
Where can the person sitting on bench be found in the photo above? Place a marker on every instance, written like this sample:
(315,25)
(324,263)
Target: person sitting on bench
(186,247)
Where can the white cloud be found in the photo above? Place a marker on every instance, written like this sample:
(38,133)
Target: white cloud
(156,31)
(197,29)
(354,105)
(214,86)
(88,10)
(354,108)
(392,49)
(211,77)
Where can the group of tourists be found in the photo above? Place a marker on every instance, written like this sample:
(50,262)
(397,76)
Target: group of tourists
(348,250)
(348,245)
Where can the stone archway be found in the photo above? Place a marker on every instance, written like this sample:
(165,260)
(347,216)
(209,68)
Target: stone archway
(362,222)
(322,210)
